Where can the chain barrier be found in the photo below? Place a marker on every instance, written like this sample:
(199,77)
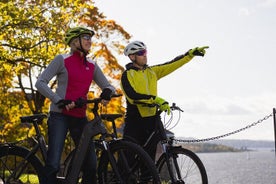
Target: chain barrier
(224,135)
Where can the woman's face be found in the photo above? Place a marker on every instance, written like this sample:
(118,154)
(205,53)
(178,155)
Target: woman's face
(85,40)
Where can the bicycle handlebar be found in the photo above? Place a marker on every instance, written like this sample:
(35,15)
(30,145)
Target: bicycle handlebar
(81,101)
(172,107)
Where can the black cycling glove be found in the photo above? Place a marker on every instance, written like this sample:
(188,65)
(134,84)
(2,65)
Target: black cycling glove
(80,102)
(198,51)
(106,94)
(62,103)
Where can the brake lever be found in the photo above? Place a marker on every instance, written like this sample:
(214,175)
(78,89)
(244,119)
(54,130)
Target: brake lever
(174,107)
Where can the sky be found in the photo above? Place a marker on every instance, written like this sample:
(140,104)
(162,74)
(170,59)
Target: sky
(233,85)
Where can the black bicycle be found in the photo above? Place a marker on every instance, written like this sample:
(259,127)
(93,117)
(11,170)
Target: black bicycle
(176,165)
(19,164)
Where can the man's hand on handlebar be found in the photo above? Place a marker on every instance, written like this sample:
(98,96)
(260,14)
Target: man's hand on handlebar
(163,104)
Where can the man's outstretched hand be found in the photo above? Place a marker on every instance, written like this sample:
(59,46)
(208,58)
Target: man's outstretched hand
(198,51)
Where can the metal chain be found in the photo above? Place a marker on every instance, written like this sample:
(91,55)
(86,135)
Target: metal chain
(224,135)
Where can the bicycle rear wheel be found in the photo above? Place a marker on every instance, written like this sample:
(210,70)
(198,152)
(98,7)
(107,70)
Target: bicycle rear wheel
(191,168)
(16,168)
(129,161)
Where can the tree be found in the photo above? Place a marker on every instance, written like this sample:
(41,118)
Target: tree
(31,34)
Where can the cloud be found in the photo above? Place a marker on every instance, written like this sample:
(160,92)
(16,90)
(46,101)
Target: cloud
(244,11)
(267,3)
(260,6)
(230,106)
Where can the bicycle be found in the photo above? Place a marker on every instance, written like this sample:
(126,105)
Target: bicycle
(18,164)
(117,169)
(176,164)
(22,165)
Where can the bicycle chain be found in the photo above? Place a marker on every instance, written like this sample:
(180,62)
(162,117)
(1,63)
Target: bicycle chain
(224,135)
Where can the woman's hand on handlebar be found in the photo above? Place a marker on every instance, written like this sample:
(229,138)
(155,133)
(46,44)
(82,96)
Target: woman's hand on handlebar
(106,94)
(70,106)
(106,101)
(67,104)
(80,102)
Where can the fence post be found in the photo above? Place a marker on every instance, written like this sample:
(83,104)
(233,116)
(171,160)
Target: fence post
(274,120)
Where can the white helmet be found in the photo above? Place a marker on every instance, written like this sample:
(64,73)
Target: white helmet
(134,47)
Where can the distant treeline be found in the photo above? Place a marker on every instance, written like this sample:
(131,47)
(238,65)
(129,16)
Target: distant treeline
(208,147)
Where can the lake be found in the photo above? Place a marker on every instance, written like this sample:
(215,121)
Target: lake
(256,167)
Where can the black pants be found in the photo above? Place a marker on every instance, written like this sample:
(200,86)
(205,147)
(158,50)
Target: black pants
(138,130)
(58,125)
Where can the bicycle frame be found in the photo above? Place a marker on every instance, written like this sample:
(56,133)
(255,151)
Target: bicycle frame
(40,143)
(166,144)
(90,130)
(175,172)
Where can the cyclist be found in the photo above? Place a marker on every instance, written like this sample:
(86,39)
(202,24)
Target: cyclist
(74,73)
(139,84)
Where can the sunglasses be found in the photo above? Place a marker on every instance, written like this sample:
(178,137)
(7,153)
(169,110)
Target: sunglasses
(141,52)
(87,37)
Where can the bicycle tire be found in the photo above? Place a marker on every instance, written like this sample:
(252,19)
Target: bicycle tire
(128,175)
(10,158)
(192,168)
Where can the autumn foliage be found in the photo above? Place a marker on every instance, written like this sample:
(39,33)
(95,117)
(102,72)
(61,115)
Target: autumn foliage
(31,35)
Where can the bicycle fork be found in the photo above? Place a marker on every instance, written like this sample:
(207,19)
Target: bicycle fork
(172,165)
(113,161)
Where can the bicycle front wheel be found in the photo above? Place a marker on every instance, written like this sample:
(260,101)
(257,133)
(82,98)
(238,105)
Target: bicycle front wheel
(186,167)
(18,167)
(126,163)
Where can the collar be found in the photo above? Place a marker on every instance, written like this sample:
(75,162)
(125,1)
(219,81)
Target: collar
(131,66)
(76,53)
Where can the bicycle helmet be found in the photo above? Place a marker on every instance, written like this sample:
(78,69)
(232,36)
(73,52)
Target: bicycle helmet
(134,47)
(76,32)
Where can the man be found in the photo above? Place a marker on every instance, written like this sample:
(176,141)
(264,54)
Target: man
(139,84)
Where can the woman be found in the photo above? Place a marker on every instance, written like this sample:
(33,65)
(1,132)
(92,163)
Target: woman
(74,73)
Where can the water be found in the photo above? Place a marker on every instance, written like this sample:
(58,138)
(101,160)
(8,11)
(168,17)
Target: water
(258,167)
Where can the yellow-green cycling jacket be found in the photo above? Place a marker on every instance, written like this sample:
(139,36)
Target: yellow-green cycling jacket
(141,85)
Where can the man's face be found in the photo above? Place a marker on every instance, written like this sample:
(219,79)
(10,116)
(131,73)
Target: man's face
(139,58)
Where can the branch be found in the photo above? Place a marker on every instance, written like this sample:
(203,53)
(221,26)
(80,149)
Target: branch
(20,60)
(24,48)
